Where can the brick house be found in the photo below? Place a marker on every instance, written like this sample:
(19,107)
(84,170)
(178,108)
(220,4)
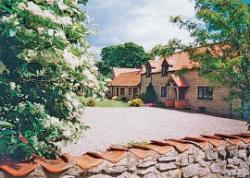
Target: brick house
(189,90)
(126,83)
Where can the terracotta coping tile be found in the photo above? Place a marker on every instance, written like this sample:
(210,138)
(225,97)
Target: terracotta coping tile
(53,166)
(140,153)
(160,142)
(113,156)
(231,139)
(118,148)
(157,148)
(18,169)
(212,136)
(246,134)
(244,139)
(215,142)
(85,161)
(195,141)
(181,147)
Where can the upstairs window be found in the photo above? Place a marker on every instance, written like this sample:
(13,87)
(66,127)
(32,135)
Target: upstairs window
(205,93)
(164,70)
(148,72)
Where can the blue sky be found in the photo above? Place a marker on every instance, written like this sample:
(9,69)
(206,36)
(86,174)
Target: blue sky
(145,22)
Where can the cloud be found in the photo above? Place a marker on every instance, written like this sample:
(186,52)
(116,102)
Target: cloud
(144,22)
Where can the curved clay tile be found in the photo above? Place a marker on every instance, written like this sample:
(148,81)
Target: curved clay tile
(140,153)
(85,161)
(215,142)
(204,145)
(53,166)
(18,169)
(157,148)
(114,156)
(181,147)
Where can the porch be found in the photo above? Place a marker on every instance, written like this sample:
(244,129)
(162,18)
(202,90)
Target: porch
(176,93)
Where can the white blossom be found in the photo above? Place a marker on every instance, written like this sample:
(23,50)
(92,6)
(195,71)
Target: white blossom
(61,5)
(12,85)
(72,60)
(51,32)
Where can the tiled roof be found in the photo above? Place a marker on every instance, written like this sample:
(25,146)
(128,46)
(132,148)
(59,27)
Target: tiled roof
(177,61)
(179,81)
(129,79)
(116,153)
(117,71)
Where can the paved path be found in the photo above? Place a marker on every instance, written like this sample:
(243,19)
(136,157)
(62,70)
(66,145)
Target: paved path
(123,125)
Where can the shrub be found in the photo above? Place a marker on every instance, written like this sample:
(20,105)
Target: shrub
(150,95)
(124,99)
(91,102)
(136,102)
(160,104)
(44,63)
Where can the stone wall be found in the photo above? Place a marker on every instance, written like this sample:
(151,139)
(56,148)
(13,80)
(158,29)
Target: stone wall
(207,156)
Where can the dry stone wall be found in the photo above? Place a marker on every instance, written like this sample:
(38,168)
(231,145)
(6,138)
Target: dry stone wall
(214,156)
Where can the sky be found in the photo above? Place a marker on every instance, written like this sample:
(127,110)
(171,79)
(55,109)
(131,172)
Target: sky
(145,22)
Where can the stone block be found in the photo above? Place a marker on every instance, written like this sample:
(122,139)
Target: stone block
(166,166)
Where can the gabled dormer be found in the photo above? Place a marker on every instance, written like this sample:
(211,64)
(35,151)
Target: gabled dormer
(148,69)
(165,67)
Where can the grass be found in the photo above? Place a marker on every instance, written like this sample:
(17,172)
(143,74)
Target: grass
(111,103)
(107,103)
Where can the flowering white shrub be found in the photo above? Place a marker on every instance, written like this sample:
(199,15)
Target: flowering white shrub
(44,61)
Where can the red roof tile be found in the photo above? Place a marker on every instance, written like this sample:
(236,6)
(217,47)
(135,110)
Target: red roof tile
(130,79)
(179,81)
(177,61)
(117,71)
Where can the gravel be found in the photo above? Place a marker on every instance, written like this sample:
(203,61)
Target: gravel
(123,125)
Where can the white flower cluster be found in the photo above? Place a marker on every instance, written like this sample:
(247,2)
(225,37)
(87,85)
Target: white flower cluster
(71,59)
(36,10)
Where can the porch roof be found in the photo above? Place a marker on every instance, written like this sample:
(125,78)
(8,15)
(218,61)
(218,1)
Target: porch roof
(179,81)
(129,79)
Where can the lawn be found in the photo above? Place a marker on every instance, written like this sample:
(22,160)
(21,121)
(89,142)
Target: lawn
(111,103)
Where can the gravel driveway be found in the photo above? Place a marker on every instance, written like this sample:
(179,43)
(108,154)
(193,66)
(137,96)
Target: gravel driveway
(123,125)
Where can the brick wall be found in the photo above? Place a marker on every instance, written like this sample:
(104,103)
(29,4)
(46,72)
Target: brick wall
(126,92)
(216,106)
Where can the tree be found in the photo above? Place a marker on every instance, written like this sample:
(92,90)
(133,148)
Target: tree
(125,55)
(44,60)
(223,28)
(150,95)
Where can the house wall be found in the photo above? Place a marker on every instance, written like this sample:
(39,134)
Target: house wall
(216,106)
(126,92)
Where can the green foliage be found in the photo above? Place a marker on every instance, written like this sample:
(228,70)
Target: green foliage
(225,25)
(44,60)
(136,102)
(91,102)
(150,95)
(125,55)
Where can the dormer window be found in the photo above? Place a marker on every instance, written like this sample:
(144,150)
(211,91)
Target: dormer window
(148,72)
(164,70)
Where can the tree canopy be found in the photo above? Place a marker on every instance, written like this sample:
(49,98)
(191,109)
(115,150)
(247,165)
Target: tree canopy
(224,26)
(128,55)
(44,60)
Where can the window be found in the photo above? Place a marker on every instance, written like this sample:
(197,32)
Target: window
(117,91)
(129,91)
(122,91)
(148,72)
(164,70)
(205,93)
(164,91)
